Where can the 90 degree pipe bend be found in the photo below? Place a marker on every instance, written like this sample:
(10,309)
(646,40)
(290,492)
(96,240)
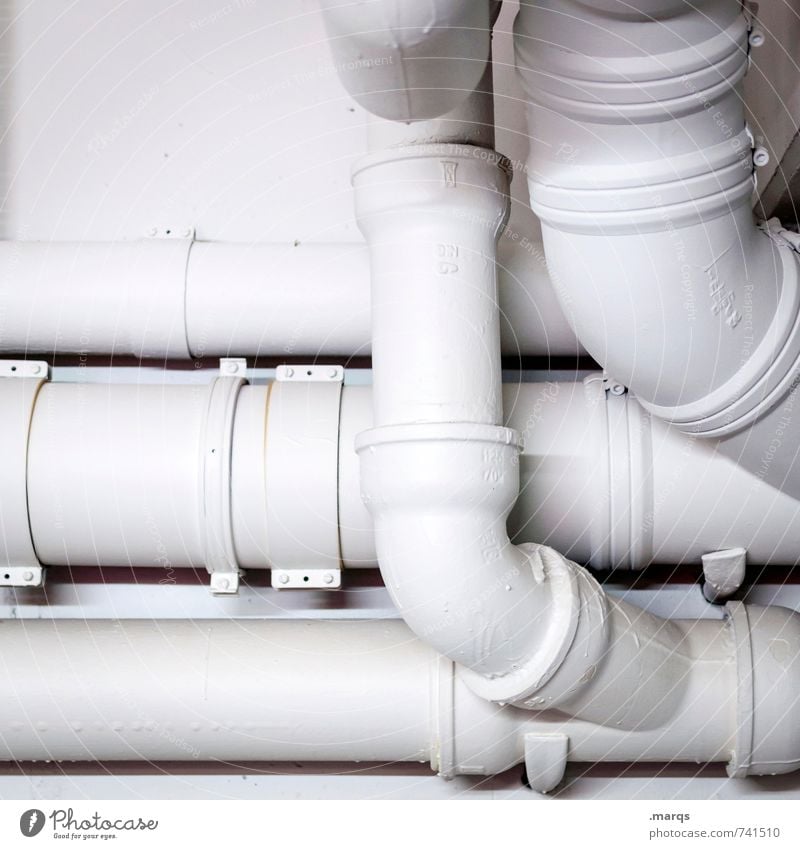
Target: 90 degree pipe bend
(530,627)
(641,171)
(413,60)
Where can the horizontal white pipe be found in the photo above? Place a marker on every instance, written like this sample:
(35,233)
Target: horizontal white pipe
(409,61)
(112,478)
(114,475)
(172,298)
(208,690)
(237,691)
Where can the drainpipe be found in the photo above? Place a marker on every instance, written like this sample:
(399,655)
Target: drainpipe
(413,60)
(641,171)
(175,299)
(439,475)
(254,690)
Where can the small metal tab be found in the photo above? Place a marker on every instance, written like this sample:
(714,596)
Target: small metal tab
(311,374)
(545,760)
(24,368)
(21,576)
(306,579)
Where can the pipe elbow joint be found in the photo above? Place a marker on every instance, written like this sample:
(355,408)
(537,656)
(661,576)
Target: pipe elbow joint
(440,495)
(516,618)
(412,61)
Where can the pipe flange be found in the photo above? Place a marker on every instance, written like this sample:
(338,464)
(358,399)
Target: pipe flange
(741,756)
(437,432)
(772,371)
(433,151)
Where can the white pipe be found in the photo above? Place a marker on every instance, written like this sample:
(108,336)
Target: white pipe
(110,475)
(640,170)
(172,298)
(114,474)
(116,298)
(439,476)
(341,691)
(409,61)
(607,484)
(214,690)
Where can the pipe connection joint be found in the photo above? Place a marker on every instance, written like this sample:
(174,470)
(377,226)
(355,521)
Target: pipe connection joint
(431,215)
(464,183)
(440,495)
(409,61)
(767,651)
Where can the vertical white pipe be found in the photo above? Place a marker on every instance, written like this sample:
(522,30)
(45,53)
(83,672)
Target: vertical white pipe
(432,215)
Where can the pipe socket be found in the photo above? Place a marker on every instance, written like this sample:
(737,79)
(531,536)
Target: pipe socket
(431,215)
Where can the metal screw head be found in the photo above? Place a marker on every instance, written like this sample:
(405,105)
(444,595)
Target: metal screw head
(36,369)
(283,578)
(328,578)
(756,38)
(289,372)
(333,373)
(230,368)
(760,157)
(224,584)
(27,576)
